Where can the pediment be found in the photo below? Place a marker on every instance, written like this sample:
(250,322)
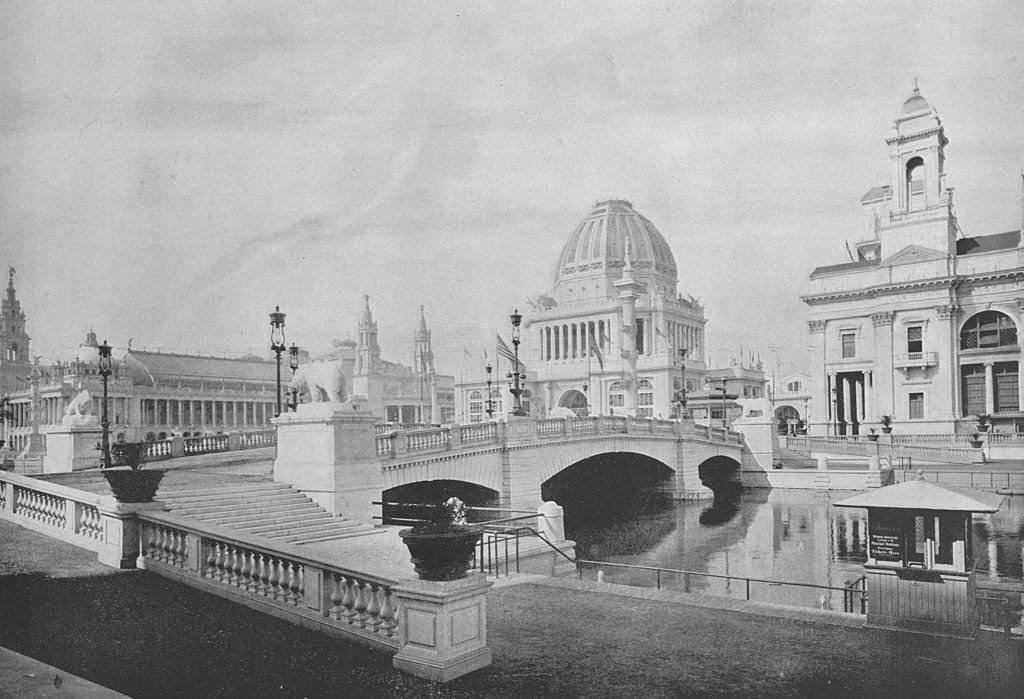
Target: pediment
(913,254)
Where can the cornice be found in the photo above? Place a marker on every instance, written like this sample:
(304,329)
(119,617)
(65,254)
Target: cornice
(880,290)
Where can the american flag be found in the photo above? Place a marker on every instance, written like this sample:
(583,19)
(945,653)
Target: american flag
(507,353)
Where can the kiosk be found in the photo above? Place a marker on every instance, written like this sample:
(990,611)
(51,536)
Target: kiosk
(919,569)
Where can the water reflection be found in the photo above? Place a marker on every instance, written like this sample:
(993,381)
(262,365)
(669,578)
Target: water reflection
(774,535)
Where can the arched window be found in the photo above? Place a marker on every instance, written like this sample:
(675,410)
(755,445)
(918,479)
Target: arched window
(476,406)
(988,330)
(645,398)
(915,184)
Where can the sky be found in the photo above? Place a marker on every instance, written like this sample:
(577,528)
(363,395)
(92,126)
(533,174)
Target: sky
(172,171)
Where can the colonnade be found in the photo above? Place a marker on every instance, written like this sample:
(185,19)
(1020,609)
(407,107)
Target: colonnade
(172,412)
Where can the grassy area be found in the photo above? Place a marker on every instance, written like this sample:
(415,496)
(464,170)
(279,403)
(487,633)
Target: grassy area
(148,637)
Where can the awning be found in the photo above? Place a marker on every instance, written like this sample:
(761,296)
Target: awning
(925,495)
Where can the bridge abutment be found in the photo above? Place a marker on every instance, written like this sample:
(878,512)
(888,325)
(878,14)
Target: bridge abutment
(328,452)
(520,468)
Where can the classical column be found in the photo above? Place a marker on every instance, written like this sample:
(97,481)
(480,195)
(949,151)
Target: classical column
(990,399)
(949,359)
(821,384)
(883,369)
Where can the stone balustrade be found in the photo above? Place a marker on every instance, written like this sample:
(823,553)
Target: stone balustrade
(394,444)
(281,579)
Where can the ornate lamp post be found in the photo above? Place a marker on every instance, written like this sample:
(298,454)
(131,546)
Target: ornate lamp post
(293,364)
(515,376)
(277,346)
(490,401)
(105,368)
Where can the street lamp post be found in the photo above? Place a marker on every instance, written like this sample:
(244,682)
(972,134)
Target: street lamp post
(835,414)
(489,403)
(277,346)
(293,364)
(515,376)
(105,368)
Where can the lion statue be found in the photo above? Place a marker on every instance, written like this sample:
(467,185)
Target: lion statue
(322,380)
(79,410)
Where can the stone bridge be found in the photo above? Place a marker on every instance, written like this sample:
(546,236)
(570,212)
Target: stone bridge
(342,458)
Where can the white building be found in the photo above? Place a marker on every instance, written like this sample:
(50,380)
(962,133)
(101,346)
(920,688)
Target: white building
(923,325)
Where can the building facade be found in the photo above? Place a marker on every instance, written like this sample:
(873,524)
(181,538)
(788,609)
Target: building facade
(613,336)
(923,325)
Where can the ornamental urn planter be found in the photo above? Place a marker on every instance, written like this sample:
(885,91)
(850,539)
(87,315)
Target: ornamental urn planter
(873,437)
(133,485)
(129,482)
(441,551)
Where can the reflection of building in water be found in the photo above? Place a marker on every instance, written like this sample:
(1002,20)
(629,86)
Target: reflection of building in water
(999,540)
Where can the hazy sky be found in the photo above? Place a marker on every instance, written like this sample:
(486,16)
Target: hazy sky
(169,171)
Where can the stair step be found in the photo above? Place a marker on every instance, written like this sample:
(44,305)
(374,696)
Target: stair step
(265,517)
(219,492)
(234,503)
(347,535)
(271,522)
(297,510)
(312,528)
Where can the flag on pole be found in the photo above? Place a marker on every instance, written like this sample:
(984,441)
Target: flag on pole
(466,352)
(507,353)
(595,349)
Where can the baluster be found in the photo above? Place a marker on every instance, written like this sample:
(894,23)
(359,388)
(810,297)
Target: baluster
(337,598)
(264,577)
(177,553)
(240,559)
(298,584)
(245,573)
(211,560)
(230,561)
(388,617)
(349,600)
(158,543)
(362,602)
(221,555)
(274,578)
(373,607)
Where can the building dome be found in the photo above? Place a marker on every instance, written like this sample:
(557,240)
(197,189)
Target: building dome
(915,103)
(597,250)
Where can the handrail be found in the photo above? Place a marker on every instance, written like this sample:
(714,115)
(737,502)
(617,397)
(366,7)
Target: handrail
(580,563)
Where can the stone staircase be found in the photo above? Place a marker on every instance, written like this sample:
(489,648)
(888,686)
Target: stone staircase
(262,507)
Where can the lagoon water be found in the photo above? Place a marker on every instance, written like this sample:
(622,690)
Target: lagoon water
(777,535)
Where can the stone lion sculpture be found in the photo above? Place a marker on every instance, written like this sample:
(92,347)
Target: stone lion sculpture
(79,410)
(322,380)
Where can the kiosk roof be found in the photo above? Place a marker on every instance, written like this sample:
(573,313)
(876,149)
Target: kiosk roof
(925,495)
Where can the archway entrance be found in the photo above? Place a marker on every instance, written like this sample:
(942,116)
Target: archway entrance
(575,401)
(787,418)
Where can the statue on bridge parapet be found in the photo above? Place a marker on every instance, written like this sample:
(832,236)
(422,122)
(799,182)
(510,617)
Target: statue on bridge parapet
(322,380)
(79,411)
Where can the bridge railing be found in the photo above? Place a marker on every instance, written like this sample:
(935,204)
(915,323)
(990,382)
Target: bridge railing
(277,578)
(862,445)
(396,443)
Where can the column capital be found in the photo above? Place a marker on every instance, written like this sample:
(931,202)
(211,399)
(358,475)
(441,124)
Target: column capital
(881,318)
(949,311)
(816,326)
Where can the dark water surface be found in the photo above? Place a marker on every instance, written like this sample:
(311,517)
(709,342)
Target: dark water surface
(778,535)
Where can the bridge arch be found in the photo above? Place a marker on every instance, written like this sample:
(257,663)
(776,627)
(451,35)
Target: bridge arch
(720,473)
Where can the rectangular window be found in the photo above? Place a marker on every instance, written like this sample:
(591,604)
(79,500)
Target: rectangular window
(973,389)
(1006,387)
(916,406)
(639,336)
(915,343)
(616,400)
(849,341)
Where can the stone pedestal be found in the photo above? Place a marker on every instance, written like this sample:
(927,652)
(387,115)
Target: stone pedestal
(120,528)
(443,627)
(72,449)
(328,451)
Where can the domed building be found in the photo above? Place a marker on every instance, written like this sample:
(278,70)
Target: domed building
(614,335)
